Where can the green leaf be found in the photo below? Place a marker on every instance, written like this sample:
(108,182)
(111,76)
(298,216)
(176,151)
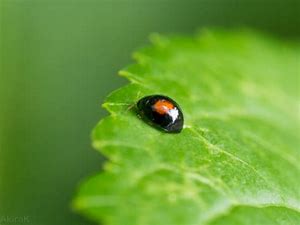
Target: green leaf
(237,159)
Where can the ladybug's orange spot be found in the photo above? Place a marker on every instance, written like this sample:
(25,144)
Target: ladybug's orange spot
(163,106)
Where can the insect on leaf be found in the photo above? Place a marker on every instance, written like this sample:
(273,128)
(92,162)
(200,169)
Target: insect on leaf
(236,161)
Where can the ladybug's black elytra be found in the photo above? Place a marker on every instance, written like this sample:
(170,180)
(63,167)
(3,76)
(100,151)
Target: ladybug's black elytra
(161,112)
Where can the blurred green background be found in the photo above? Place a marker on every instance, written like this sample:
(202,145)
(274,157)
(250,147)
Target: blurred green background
(59,59)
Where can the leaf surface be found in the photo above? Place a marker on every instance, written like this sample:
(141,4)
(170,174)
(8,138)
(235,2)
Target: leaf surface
(236,160)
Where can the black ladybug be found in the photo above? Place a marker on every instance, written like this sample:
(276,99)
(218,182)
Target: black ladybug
(161,112)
